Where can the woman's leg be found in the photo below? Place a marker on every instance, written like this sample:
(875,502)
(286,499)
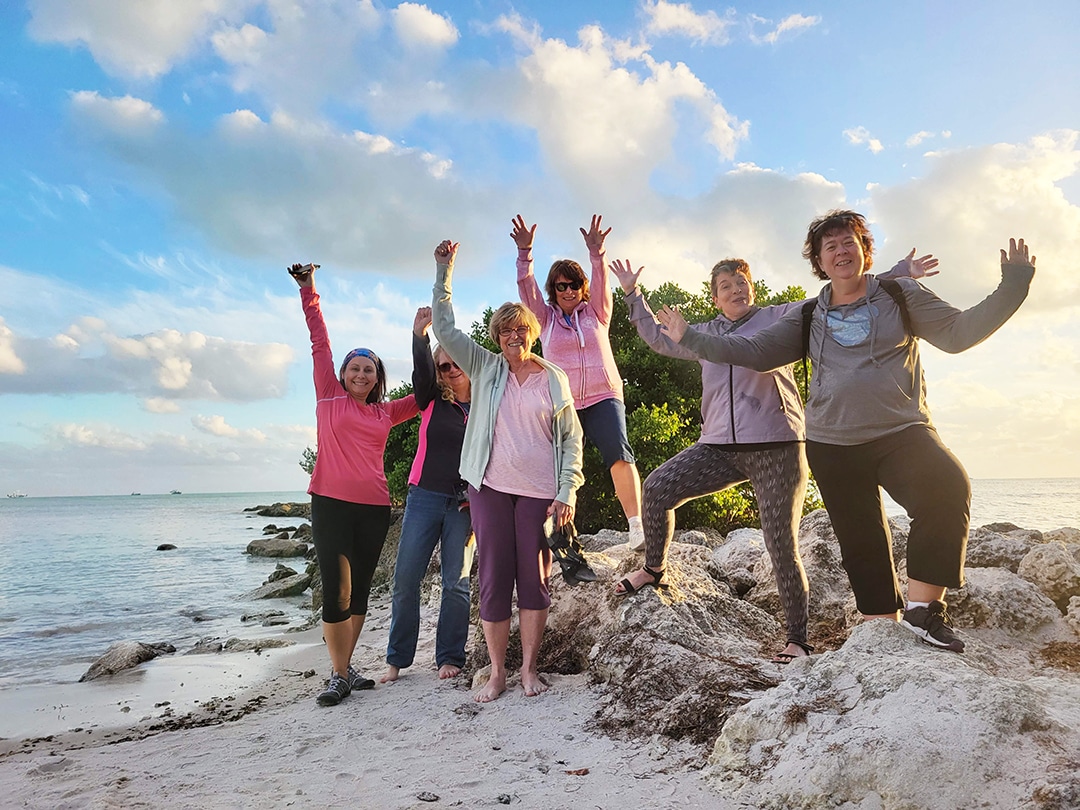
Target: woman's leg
(370,526)
(627,481)
(497,637)
(331,530)
(420,530)
(847,477)
(698,470)
(532,623)
(533,577)
(779,478)
(456,557)
(604,424)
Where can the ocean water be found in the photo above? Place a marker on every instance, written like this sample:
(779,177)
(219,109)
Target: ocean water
(78,574)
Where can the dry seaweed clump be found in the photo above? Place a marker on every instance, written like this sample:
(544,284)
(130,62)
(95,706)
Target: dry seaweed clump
(1062,655)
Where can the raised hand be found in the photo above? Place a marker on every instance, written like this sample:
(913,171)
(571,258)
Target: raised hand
(920,267)
(1018,254)
(672,322)
(628,279)
(446,251)
(522,236)
(594,237)
(303,274)
(422,321)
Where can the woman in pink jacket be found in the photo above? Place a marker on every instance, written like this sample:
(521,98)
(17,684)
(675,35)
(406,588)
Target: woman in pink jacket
(574,323)
(350,501)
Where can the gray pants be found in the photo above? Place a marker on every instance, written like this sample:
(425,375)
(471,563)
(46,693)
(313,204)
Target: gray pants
(779,477)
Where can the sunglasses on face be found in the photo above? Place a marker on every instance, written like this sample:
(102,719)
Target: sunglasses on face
(445,367)
(563,286)
(521,331)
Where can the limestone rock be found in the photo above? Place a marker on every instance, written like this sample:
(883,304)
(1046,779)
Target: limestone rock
(1073,614)
(742,549)
(998,599)
(1054,570)
(124,655)
(280,546)
(1066,534)
(602,540)
(873,725)
(166,547)
(280,572)
(302,532)
(989,547)
(282,510)
(290,586)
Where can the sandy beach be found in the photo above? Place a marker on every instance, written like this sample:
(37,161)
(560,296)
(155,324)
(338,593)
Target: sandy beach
(255,738)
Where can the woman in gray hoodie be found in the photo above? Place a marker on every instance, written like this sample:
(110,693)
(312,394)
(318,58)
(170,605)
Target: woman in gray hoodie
(868,426)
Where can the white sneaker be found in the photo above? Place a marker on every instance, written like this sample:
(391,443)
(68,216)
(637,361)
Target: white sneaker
(636,541)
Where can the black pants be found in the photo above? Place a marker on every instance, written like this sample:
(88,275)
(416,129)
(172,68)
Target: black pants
(349,538)
(920,474)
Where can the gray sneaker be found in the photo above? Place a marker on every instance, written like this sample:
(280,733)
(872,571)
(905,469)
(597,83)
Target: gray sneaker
(358,681)
(932,625)
(337,689)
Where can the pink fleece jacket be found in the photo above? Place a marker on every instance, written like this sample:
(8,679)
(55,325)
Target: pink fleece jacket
(581,348)
(352,436)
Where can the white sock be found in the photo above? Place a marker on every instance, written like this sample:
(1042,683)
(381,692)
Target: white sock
(635,521)
(911,605)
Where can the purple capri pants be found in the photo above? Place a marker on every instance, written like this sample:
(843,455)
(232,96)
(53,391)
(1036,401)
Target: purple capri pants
(510,548)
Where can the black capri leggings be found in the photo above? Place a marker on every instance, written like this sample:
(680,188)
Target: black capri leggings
(924,477)
(348,539)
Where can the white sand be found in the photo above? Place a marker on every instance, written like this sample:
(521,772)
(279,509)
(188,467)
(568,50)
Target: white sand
(378,749)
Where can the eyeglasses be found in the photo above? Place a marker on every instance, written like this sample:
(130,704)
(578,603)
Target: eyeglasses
(563,286)
(445,367)
(521,331)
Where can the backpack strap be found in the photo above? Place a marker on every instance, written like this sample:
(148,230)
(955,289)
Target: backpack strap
(893,288)
(807,318)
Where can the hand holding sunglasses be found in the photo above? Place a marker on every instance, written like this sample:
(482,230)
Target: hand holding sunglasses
(303,273)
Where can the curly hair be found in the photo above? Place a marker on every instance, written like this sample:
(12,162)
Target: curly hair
(837,221)
(729,267)
(571,271)
(445,389)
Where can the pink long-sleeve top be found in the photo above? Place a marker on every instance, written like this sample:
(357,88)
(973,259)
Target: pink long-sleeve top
(578,343)
(352,436)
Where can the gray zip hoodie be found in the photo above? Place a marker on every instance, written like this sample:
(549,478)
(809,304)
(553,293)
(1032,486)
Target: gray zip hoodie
(867,378)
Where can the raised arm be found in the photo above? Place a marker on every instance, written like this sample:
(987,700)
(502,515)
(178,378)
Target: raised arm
(462,349)
(953,330)
(599,286)
(324,373)
(641,316)
(528,287)
(774,346)
(911,267)
(424,381)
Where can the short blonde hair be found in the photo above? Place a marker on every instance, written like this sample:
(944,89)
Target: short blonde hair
(511,314)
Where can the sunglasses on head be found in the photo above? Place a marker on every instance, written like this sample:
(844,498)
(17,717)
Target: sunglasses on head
(445,367)
(838,220)
(563,286)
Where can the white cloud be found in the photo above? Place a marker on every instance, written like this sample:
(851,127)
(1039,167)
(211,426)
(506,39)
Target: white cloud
(122,116)
(217,426)
(132,38)
(105,437)
(417,26)
(861,135)
(918,137)
(160,405)
(680,19)
(793,23)
(10,363)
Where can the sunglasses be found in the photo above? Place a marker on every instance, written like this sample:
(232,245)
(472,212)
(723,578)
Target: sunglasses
(445,367)
(563,286)
(834,221)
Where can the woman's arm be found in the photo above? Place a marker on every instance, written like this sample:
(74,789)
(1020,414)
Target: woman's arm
(600,286)
(424,378)
(641,316)
(569,476)
(324,373)
(464,351)
(528,287)
(774,346)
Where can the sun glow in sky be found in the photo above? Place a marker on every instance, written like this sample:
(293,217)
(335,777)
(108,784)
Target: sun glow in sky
(164,162)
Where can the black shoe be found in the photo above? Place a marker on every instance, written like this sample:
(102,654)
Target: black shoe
(337,689)
(358,681)
(932,625)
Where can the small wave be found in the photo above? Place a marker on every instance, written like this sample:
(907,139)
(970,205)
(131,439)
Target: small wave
(64,630)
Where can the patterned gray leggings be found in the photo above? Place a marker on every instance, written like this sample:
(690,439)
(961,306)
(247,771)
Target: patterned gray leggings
(779,477)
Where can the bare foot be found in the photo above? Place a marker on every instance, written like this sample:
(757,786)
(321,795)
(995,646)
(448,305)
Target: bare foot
(491,690)
(531,683)
(448,671)
(391,675)
(639,579)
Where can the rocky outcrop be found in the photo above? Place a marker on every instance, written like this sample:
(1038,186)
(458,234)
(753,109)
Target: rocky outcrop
(280,546)
(888,722)
(124,655)
(1000,546)
(301,510)
(1054,570)
(289,586)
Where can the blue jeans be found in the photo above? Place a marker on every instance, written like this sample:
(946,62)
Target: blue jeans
(430,516)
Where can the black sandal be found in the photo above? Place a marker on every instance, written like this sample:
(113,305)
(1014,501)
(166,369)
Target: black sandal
(787,658)
(657,582)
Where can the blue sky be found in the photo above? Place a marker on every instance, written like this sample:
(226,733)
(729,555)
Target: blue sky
(163,162)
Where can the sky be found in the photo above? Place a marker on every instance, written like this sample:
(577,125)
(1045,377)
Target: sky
(164,162)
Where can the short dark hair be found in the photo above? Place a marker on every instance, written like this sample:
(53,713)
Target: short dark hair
(730,267)
(571,271)
(839,219)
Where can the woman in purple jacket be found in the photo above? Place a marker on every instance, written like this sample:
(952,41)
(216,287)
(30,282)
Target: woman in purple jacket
(574,323)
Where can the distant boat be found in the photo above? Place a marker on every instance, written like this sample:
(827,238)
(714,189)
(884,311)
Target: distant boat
(16,494)
(175,492)
(136,493)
